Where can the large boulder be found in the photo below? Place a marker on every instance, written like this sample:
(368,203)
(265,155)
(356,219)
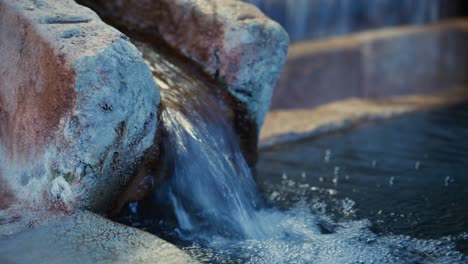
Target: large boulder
(78,106)
(231,40)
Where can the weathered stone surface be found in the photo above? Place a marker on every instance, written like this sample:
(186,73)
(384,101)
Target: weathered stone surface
(282,126)
(87,238)
(78,106)
(231,40)
(398,61)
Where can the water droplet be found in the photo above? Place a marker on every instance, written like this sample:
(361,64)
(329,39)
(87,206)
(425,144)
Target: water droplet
(447,181)
(327,156)
(336,171)
(335,180)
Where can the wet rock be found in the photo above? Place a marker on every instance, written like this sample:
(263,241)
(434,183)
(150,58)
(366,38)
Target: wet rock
(78,106)
(232,41)
(87,238)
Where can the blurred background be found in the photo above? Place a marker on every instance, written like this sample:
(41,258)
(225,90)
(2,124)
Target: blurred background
(369,49)
(314,19)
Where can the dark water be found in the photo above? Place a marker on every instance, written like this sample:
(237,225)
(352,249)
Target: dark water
(318,207)
(408,175)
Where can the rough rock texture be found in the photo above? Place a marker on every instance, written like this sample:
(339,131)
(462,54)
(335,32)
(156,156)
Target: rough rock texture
(78,106)
(87,238)
(232,41)
(391,62)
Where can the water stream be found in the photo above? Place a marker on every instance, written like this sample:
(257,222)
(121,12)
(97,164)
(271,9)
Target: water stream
(211,208)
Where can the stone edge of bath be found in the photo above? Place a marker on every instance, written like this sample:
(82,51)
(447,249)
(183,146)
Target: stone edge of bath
(286,126)
(395,61)
(85,237)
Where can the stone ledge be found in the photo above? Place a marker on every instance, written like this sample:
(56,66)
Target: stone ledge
(87,238)
(390,62)
(283,126)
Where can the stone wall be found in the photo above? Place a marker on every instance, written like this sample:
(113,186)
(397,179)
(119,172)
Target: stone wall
(313,19)
(390,62)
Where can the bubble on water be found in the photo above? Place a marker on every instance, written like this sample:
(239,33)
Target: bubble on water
(302,241)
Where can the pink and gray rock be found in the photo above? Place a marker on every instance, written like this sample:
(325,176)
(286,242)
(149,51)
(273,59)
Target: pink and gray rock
(78,106)
(232,41)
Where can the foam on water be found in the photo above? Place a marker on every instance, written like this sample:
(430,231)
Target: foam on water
(214,199)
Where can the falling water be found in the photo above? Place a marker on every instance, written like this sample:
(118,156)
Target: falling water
(211,187)
(210,207)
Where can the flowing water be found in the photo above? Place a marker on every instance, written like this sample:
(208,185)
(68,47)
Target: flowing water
(211,208)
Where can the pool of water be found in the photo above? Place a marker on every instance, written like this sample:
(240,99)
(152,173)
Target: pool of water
(393,191)
(407,175)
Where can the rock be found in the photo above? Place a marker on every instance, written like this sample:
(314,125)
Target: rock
(87,238)
(232,41)
(78,106)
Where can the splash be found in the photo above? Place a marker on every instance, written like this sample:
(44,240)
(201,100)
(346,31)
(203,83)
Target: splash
(211,208)
(213,196)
